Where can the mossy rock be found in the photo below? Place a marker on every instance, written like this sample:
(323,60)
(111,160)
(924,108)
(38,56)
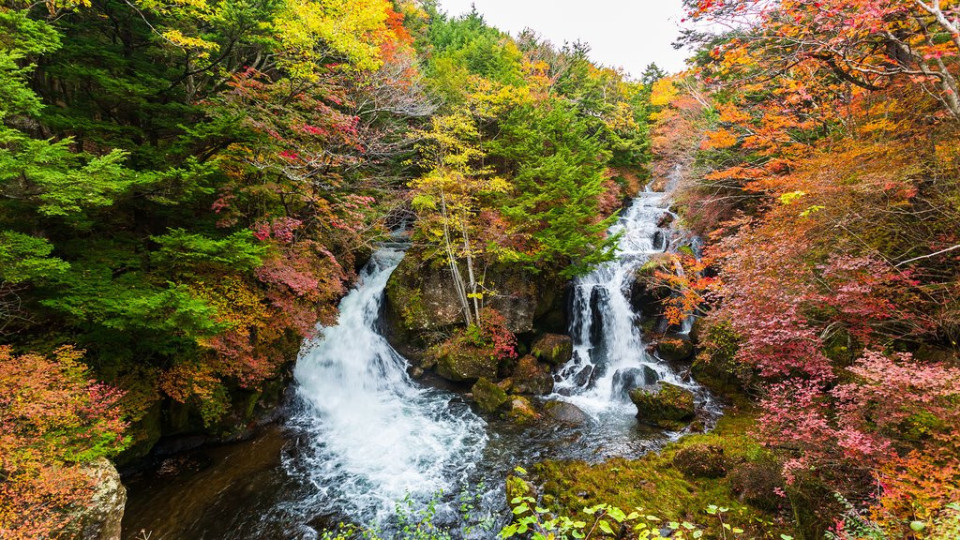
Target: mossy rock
(701,461)
(522,410)
(665,405)
(488,395)
(531,377)
(556,349)
(465,363)
(675,349)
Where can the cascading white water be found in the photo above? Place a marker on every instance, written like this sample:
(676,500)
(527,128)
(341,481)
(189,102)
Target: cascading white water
(610,356)
(375,436)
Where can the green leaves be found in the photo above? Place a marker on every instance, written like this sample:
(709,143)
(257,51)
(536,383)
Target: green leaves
(26,258)
(182,251)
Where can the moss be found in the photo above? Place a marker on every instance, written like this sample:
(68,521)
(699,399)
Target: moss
(488,395)
(556,349)
(522,411)
(668,405)
(656,485)
(701,461)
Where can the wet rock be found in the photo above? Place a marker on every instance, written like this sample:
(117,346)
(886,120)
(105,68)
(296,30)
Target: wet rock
(567,413)
(522,410)
(625,380)
(665,220)
(465,364)
(556,349)
(598,300)
(701,461)
(488,395)
(666,405)
(101,519)
(675,349)
(584,378)
(532,377)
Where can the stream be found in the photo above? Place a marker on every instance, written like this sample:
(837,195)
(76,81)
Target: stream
(363,438)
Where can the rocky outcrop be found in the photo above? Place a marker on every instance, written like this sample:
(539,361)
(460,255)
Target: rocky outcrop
(522,410)
(556,349)
(422,306)
(101,519)
(665,405)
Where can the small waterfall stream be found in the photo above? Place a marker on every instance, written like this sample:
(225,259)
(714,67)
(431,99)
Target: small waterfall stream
(610,355)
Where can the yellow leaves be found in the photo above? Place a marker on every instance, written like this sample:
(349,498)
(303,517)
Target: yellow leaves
(311,31)
(621,119)
(490,99)
(664,91)
(177,38)
(789,198)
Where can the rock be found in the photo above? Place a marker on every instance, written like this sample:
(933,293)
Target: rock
(488,395)
(666,405)
(645,297)
(665,220)
(599,297)
(625,380)
(567,413)
(584,378)
(556,349)
(101,520)
(521,410)
(701,461)
(465,364)
(675,349)
(532,377)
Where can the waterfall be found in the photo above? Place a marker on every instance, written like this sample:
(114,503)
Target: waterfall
(374,436)
(610,355)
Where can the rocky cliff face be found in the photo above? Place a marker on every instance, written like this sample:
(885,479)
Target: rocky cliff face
(422,306)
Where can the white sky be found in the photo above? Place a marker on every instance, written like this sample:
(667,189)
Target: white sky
(621,33)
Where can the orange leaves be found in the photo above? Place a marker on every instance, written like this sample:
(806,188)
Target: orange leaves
(718,140)
(53,420)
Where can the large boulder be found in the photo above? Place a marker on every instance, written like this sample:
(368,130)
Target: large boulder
(556,349)
(100,520)
(489,396)
(531,377)
(461,363)
(665,405)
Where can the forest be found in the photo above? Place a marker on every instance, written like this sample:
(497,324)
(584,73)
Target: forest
(191,191)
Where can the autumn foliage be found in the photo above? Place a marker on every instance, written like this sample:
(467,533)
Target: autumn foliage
(817,142)
(53,421)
